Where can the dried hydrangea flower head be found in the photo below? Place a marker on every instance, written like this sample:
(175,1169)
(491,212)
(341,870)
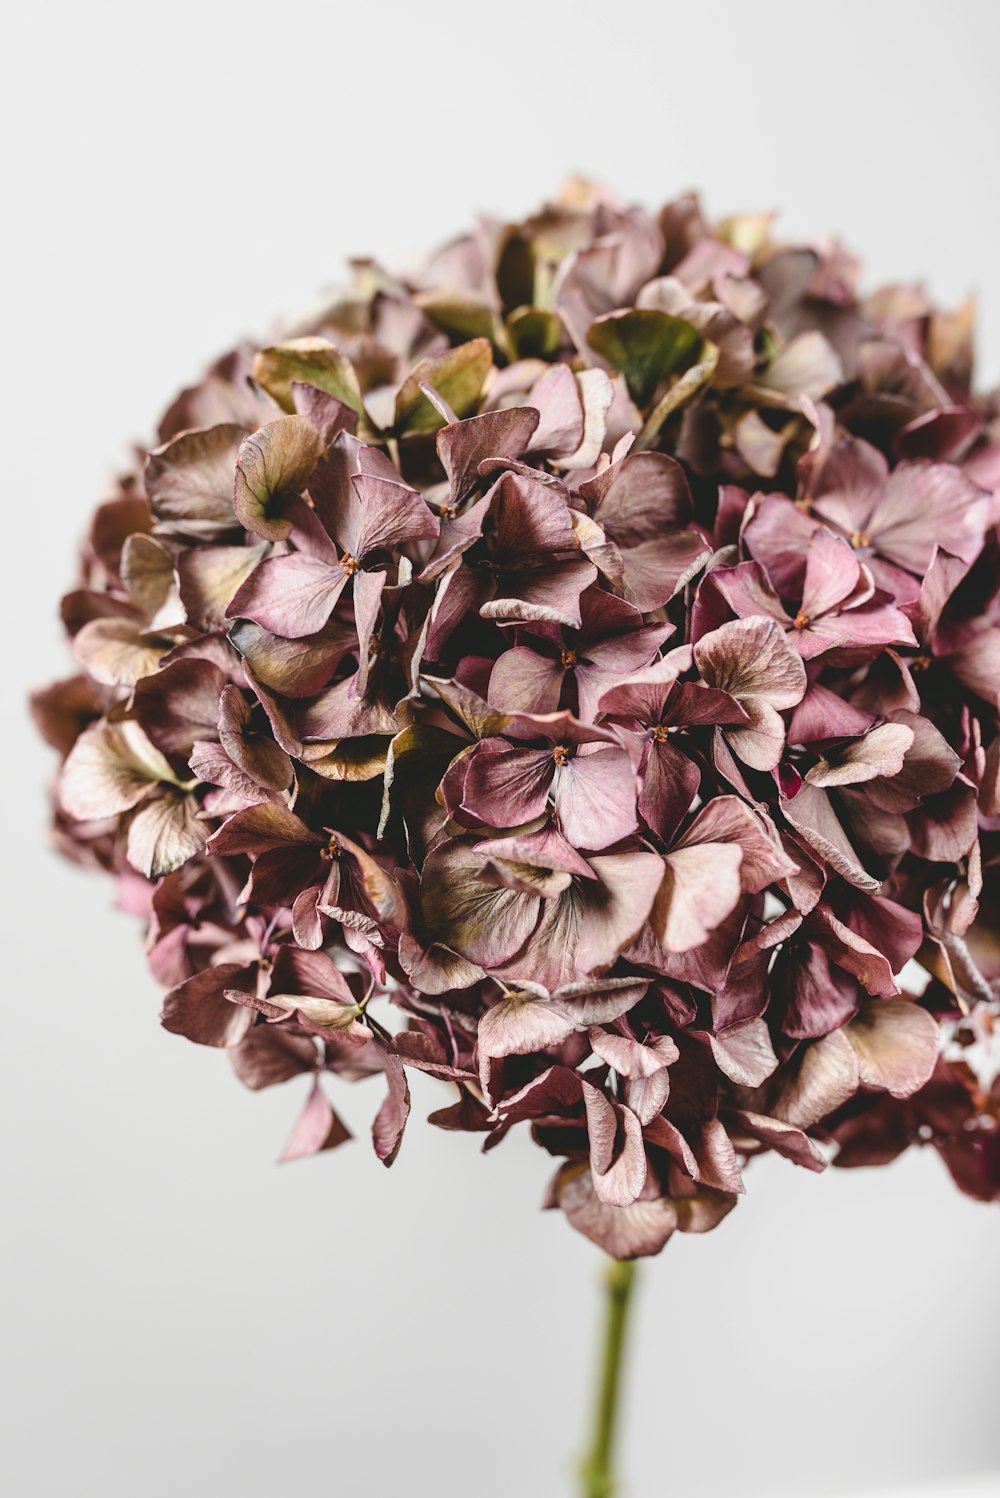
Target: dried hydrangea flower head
(571,672)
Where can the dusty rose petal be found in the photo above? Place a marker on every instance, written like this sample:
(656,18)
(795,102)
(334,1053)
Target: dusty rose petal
(896,1043)
(630,1232)
(390,1121)
(825,1075)
(249,746)
(783,1137)
(147,570)
(505,786)
(880,752)
(317,1128)
(164,833)
(180,704)
(199,1010)
(745,1053)
(291,596)
(189,481)
(111,768)
(617,1156)
(117,652)
(268,1054)
(701,885)
(583,929)
(812,816)
(520,1023)
(595,798)
(752,660)
(495,434)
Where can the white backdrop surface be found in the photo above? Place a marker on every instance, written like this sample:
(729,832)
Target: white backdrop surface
(179,1315)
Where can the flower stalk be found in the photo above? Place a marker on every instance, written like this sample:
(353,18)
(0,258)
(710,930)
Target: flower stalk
(597,1472)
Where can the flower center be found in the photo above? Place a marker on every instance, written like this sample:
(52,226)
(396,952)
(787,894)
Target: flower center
(448,512)
(561,754)
(568,659)
(660,733)
(801,619)
(349,562)
(860,539)
(331,851)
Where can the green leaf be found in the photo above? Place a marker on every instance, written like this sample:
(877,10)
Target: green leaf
(458,377)
(534,333)
(690,383)
(515,270)
(461,314)
(308,361)
(646,346)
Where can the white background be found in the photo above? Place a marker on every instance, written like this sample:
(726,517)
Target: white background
(180,1316)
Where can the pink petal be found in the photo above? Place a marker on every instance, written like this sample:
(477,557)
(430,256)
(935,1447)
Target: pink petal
(547,593)
(640,497)
(745,1054)
(781,1137)
(926,505)
(824,1075)
(595,798)
(701,886)
(832,571)
(617,1155)
(389,513)
(317,1128)
(495,434)
(728,819)
(896,1043)
(879,752)
(291,596)
(631,1232)
(520,1023)
(505,786)
(656,570)
(390,1121)
(814,819)
(668,785)
(523,680)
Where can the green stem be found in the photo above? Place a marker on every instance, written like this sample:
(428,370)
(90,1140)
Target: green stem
(597,1472)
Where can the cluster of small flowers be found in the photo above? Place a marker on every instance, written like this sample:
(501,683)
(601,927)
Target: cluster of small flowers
(587,651)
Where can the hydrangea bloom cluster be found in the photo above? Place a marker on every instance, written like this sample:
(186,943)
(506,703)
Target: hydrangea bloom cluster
(571,671)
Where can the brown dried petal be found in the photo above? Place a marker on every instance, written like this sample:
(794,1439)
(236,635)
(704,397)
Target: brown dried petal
(190,483)
(274,464)
(111,768)
(896,1043)
(147,570)
(164,834)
